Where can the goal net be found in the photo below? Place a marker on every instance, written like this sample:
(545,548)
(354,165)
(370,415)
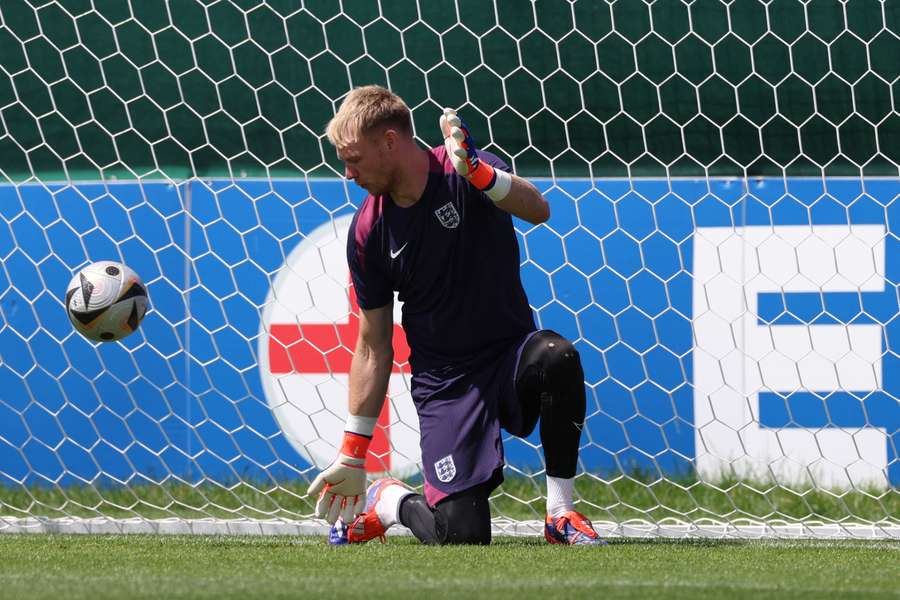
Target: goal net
(723,251)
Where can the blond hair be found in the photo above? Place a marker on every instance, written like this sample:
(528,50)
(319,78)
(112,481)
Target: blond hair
(364,110)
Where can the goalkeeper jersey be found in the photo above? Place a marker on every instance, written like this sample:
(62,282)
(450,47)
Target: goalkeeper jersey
(453,258)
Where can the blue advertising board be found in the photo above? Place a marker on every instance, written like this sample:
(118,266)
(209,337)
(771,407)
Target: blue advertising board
(690,301)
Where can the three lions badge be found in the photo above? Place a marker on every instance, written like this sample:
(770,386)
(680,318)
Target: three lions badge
(448,216)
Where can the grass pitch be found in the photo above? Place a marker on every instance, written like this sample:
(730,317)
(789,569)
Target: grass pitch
(42,566)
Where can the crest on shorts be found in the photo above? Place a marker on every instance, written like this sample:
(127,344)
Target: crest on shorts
(449,218)
(445,469)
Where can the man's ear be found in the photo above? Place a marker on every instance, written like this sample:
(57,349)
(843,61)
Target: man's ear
(390,138)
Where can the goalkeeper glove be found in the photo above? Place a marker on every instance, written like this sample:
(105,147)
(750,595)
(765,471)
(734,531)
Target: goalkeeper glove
(342,486)
(461,150)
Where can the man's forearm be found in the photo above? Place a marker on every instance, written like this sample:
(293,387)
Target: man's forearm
(341,488)
(525,202)
(370,372)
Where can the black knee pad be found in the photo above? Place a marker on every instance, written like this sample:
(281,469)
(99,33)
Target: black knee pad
(549,369)
(464,518)
(562,363)
(548,362)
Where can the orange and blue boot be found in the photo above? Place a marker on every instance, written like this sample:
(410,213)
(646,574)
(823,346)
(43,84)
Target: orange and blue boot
(571,528)
(367,526)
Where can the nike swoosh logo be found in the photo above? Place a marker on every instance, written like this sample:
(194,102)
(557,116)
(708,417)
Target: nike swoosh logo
(578,426)
(397,253)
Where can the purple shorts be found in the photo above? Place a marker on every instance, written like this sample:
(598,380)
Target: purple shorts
(460,421)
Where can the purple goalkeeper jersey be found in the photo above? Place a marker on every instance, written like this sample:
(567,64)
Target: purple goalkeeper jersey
(453,258)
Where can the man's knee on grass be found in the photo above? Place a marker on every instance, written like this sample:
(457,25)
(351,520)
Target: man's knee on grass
(462,518)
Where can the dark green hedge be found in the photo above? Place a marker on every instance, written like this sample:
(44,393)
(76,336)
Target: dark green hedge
(144,87)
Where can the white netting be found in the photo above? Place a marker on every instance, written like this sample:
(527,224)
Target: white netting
(723,181)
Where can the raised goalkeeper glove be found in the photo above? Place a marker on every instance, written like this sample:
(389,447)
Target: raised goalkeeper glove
(461,149)
(342,486)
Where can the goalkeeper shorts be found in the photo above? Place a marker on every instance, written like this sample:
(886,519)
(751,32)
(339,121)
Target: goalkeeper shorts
(460,422)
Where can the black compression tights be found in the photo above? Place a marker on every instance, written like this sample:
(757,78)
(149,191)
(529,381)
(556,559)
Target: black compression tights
(550,385)
(461,518)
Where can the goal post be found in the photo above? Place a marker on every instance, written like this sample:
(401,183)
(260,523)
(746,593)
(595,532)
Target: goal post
(722,250)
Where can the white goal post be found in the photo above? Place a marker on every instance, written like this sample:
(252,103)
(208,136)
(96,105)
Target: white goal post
(723,251)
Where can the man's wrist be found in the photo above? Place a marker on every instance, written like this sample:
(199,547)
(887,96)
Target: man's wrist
(358,431)
(355,445)
(361,425)
(357,436)
(493,182)
(483,176)
(502,184)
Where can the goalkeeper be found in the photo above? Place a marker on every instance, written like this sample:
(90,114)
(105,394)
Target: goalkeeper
(437,228)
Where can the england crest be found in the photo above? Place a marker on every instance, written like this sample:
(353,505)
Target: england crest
(448,216)
(445,469)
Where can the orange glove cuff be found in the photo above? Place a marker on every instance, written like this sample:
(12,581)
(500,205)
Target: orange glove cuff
(355,445)
(483,176)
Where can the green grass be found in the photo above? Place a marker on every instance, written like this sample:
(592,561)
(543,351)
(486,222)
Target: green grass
(633,497)
(41,566)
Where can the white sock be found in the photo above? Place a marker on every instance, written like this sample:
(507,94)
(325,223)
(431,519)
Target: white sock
(559,495)
(388,506)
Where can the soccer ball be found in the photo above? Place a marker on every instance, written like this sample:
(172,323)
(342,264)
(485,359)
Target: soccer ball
(106,301)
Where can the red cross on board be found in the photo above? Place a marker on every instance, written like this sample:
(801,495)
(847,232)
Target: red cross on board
(328,348)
